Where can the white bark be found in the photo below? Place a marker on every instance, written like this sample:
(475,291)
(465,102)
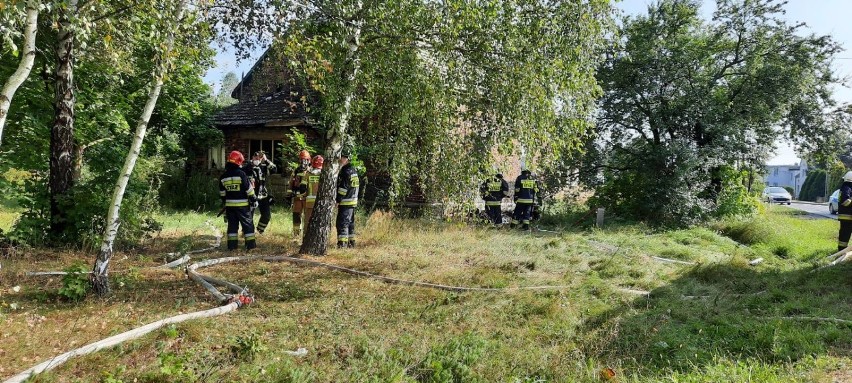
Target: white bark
(24,67)
(319,227)
(100,271)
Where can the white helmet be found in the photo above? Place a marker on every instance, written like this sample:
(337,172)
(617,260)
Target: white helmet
(848,176)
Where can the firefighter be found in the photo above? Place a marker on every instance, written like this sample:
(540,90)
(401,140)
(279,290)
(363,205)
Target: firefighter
(347,200)
(298,202)
(259,170)
(526,188)
(844,212)
(309,187)
(238,197)
(493,191)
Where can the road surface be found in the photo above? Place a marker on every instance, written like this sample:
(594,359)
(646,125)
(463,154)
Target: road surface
(816,210)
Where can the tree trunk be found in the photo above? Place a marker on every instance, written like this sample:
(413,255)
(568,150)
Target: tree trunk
(100,280)
(24,67)
(62,134)
(319,227)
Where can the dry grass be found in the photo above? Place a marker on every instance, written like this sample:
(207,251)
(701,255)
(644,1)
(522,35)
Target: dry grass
(358,329)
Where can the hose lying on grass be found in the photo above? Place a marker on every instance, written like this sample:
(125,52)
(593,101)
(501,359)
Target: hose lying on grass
(241,297)
(120,338)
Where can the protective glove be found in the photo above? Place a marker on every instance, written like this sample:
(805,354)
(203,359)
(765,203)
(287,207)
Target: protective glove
(254,205)
(271,200)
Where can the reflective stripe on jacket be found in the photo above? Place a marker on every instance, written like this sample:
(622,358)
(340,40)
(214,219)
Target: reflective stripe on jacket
(526,189)
(347,186)
(235,187)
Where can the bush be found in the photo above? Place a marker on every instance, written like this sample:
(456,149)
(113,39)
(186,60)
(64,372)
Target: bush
(668,188)
(197,191)
(86,205)
(75,284)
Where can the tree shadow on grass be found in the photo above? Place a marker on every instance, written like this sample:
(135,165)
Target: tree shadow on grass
(727,311)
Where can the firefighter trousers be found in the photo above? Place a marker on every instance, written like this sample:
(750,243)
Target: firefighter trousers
(843,235)
(523,214)
(494,213)
(298,208)
(240,216)
(265,210)
(346,226)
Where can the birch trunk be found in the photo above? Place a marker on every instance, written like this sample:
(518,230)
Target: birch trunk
(24,67)
(319,227)
(62,133)
(100,280)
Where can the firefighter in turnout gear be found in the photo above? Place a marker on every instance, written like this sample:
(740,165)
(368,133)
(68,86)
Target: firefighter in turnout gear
(309,187)
(259,170)
(298,199)
(493,191)
(844,212)
(347,200)
(526,188)
(237,194)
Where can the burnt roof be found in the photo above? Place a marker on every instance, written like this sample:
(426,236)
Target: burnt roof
(272,108)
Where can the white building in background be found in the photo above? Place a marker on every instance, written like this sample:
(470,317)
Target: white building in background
(792,176)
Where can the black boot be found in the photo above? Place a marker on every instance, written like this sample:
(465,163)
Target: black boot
(351,243)
(341,244)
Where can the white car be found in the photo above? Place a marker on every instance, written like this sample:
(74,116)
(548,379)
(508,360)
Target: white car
(776,194)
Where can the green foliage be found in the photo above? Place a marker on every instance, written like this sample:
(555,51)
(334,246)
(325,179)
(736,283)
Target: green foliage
(246,347)
(294,142)
(173,368)
(814,186)
(197,191)
(452,362)
(433,114)
(747,232)
(734,198)
(656,189)
(686,97)
(75,284)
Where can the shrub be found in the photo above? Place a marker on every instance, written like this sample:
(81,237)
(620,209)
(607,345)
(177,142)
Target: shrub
(197,191)
(75,284)
(246,347)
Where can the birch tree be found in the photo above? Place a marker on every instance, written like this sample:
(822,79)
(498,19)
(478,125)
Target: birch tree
(436,85)
(27,54)
(171,23)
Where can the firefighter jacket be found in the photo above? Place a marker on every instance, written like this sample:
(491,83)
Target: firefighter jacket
(260,175)
(347,186)
(494,190)
(309,187)
(296,179)
(235,187)
(844,202)
(526,188)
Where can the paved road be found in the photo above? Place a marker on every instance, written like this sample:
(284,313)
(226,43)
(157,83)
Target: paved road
(820,210)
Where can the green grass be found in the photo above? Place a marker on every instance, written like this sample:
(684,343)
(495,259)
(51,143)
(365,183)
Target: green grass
(719,320)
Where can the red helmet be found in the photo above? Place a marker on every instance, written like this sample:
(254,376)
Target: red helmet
(316,163)
(236,157)
(304,155)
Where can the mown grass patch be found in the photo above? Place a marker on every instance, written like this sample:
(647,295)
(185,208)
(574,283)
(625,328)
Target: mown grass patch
(720,320)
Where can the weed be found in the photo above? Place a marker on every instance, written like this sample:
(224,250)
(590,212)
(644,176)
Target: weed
(75,284)
(246,347)
(452,362)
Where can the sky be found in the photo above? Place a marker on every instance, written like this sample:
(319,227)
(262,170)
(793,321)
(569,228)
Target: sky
(823,17)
